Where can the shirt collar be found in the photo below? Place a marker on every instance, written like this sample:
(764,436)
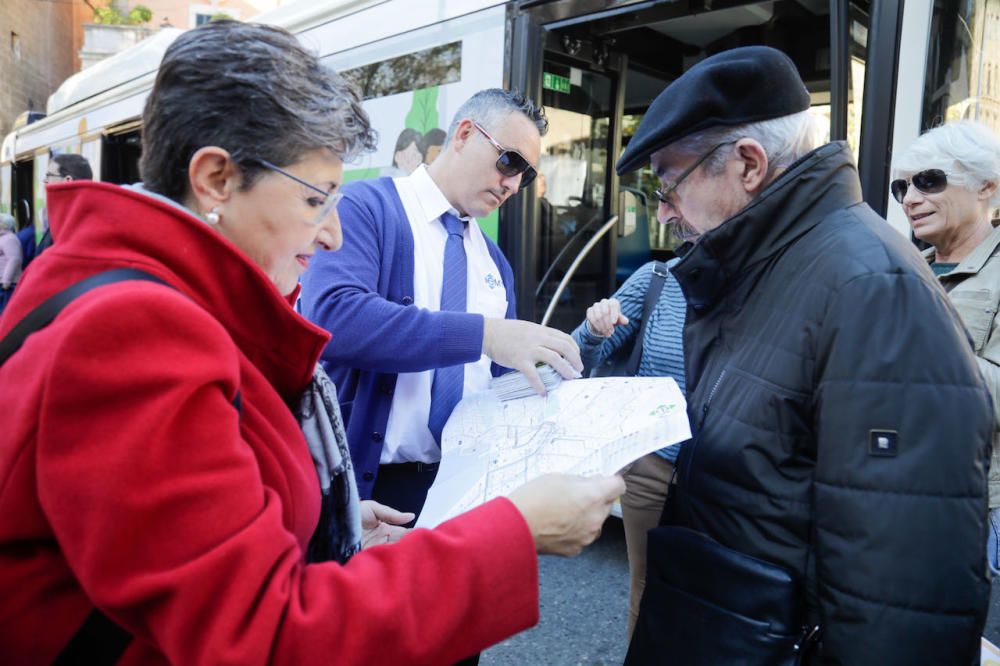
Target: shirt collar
(973,263)
(430,198)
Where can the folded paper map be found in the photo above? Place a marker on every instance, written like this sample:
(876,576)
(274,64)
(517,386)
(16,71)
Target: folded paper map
(490,446)
(514,385)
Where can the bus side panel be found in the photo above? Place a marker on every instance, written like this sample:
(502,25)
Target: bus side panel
(5,189)
(415,82)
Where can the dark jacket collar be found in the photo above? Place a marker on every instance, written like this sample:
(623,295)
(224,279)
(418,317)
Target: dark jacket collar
(821,182)
(112,226)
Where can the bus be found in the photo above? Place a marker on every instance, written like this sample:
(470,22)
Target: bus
(878,71)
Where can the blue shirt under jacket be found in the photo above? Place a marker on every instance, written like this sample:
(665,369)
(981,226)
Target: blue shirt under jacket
(663,342)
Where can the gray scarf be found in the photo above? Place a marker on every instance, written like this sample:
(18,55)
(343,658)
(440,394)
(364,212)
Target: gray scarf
(338,535)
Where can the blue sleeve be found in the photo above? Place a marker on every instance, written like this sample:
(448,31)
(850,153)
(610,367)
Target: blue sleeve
(594,349)
(341,292)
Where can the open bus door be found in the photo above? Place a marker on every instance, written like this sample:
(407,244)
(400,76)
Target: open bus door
(597,69)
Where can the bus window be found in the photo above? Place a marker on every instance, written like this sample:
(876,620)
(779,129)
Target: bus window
(963,64)
(120,153)
(22,193)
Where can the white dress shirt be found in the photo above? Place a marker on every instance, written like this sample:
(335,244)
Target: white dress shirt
(407,437)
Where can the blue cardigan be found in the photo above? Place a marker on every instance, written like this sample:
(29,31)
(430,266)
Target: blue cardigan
(363,295)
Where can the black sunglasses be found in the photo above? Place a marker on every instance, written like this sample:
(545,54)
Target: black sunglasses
(930,181)
(510,163)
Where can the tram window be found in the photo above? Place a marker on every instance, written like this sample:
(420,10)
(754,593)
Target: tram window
(964,52)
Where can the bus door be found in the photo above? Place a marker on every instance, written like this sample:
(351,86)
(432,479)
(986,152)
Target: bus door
(597,69)
(577,186)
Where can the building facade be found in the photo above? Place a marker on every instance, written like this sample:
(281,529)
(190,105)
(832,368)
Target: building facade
(40,42)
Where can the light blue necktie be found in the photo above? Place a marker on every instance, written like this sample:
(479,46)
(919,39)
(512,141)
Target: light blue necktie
(446,389)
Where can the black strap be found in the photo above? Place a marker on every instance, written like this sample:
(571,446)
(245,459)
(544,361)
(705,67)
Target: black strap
(43,315)
(99,640)
(653,291)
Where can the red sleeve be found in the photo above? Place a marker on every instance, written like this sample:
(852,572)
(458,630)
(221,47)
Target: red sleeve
(159,508)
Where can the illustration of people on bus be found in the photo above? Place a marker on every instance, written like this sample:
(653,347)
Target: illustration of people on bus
(414,148)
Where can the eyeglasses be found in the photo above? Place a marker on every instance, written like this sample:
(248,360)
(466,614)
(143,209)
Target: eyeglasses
(50,177)
(663,196)
(510,163)
(930,181)
(330,199)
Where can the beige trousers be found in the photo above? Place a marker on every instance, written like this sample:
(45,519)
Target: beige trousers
(646,484)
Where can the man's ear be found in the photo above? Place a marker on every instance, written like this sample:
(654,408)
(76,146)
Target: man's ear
(212,178)
(463,132)
(755,167)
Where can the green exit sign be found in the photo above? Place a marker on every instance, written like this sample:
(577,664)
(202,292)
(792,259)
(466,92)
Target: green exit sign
(555,82)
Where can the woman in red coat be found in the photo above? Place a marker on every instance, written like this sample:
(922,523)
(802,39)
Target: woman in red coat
(157,493)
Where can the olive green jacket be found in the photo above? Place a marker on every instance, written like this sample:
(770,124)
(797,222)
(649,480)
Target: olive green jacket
(974,288)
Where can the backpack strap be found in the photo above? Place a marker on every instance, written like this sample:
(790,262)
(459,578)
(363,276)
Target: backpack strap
(43,315)
(99,640)
(653,291)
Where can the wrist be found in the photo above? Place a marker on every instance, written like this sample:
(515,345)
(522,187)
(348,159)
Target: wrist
(488,329)
(589,332)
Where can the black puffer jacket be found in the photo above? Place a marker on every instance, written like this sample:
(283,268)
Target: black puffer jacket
(811,324)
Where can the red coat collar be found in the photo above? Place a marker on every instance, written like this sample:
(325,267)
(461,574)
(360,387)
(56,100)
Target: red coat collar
(114,226)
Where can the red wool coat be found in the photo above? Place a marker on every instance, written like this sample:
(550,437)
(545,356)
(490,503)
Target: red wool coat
(129,481)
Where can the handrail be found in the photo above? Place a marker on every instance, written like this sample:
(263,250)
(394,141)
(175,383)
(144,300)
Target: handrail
(564,250)
(612,221)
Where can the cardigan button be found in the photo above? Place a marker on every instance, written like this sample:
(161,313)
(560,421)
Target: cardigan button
(368,476)
(377,436)
(407,300)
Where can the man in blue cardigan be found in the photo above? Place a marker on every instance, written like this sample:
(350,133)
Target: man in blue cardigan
(404,349)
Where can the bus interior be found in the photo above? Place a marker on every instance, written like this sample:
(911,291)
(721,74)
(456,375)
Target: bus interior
(598,75)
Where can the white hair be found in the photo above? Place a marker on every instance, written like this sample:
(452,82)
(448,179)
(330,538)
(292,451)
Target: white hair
(7,222)
(967,151)
(785,139)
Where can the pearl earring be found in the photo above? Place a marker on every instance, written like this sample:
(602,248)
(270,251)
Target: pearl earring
(213,216)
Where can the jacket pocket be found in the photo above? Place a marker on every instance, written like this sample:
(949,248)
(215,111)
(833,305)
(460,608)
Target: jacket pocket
(977,308)
(709,604)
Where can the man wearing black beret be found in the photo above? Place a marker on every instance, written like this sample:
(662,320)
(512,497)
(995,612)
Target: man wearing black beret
(832,502)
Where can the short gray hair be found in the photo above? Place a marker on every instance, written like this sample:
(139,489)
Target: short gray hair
(491,106)
(965,150)
(254,91)
(785,140)
(7,221)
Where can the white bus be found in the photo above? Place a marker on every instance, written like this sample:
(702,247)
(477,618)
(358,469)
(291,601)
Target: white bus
(879,72)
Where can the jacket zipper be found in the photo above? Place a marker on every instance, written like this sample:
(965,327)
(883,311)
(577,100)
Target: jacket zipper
(704,416)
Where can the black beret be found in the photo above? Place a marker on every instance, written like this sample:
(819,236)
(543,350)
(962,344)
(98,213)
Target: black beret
(734,87)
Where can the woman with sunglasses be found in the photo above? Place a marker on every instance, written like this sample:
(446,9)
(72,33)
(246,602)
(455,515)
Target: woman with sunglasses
(176,486)
(947,182)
